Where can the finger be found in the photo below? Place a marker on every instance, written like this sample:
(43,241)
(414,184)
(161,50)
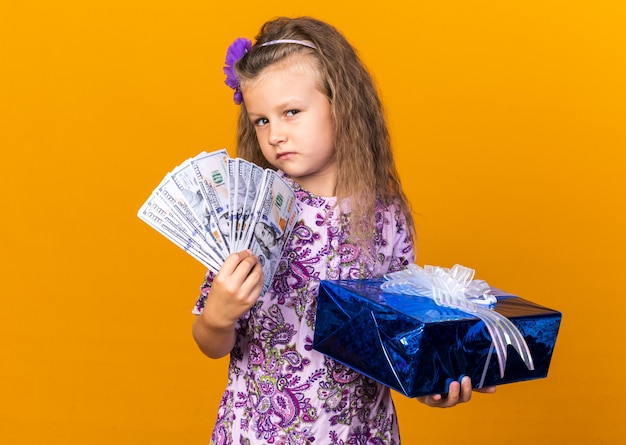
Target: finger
(237,267)
(443,401)
(466,390)
(245,267)
(253,282)
(232,261)
(454,394)
(430,400)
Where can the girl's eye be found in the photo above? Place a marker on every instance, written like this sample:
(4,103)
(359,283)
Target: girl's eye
(261,122)
(292,113)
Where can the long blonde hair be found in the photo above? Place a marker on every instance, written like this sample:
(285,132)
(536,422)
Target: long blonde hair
(366,169)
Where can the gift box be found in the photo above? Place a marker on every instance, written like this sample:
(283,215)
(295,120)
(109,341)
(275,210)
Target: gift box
(417,347)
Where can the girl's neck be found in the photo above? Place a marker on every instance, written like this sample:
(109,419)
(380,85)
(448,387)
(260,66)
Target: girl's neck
(323,185)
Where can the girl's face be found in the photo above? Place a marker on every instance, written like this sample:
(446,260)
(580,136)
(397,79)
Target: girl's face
(292,118)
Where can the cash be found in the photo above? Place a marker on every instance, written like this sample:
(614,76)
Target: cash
(213,205)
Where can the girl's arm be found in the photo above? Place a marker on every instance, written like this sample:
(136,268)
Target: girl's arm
(233,292)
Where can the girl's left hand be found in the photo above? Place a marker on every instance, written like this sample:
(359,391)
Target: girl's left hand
(457,393)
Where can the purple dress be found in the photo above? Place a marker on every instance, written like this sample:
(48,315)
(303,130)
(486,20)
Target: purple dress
(280,391)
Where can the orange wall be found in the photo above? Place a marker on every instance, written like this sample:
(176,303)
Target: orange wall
(508,121)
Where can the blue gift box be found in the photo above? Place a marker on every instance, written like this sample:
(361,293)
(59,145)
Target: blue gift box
(416,347)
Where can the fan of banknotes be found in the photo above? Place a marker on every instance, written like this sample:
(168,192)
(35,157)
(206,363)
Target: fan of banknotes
(213,205)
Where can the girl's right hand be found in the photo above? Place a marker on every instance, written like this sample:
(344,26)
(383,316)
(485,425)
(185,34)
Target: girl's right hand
(234,290)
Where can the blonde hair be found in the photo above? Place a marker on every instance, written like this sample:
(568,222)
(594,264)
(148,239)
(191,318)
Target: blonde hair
(365,167)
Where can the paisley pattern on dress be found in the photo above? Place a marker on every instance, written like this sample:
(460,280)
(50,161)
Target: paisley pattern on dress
(280,391)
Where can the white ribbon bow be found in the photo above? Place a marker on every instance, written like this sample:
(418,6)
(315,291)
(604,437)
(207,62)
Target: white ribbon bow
(456,288)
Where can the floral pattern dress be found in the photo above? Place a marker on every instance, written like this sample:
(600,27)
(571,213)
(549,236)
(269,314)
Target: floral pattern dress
(280,391)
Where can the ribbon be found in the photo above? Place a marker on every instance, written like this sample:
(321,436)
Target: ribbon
(457,289)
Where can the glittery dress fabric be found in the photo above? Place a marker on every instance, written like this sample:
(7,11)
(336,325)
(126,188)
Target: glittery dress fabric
(280,390)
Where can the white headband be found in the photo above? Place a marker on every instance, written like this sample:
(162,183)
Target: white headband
(297,42)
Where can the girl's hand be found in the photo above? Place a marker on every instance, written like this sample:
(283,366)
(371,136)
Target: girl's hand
(234,290)
(457,393)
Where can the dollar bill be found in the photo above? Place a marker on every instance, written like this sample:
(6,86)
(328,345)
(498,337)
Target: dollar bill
(276,213)
(234,195)
(255,178)
(170,193)
(248,187)
(212,205)
(212,172)
(156,213)
(185,179)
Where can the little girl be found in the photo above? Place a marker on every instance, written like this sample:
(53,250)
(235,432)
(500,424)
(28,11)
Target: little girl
(309,110)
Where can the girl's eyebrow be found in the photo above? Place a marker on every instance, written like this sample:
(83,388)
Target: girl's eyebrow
(286,106)
(252,115)
(292,102)
(289,102)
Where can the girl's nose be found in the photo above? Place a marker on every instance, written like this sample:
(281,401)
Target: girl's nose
(276,134)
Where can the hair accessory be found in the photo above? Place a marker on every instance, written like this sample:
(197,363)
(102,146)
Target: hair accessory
(235,51)
(297,42)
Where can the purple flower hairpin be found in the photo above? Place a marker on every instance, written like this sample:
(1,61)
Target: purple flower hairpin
(235,51)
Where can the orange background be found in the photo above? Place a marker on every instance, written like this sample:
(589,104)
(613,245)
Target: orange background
(508,122)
